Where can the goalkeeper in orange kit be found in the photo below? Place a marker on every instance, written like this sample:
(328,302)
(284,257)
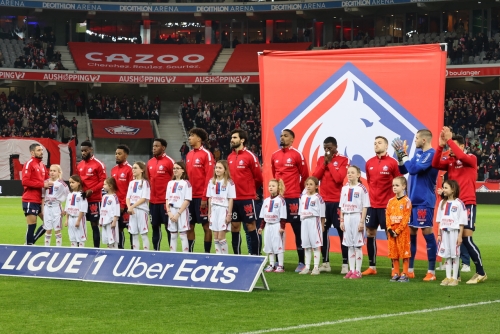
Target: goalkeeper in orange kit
(398,233)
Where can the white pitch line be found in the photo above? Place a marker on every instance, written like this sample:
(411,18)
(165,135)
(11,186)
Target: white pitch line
(371,317)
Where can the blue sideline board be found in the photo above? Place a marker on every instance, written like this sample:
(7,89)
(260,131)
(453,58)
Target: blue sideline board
(182,270)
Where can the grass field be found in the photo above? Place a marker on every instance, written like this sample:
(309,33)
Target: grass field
(369,305)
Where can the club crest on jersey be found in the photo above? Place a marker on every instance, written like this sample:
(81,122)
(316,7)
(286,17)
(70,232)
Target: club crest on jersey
(276,205)
(454,209)
(289,161)
(122,175)
(179,187)
(385,168)
(89,170)
(356,195)
(197,161)
(372,112)
(161,167)
(241,163)
(335,164)
(109,202)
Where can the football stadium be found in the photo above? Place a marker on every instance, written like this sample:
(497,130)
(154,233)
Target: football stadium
(249,166)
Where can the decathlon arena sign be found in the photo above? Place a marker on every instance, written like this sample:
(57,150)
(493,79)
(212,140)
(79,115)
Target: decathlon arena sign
(182,270)
(205,8)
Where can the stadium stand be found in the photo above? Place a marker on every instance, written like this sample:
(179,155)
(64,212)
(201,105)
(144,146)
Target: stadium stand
(244,57)
(476,117)
(219,119)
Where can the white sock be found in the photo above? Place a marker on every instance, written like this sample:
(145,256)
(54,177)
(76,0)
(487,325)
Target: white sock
(81,244)
(47,239)
(281,259)
(307,253)
(272,259)
(115,245)
(359,258)
(74,244)
(218,250)
(455,267)
(184,242)
(58,239)
(352,258)
(173,242)
(135,242)
(145,241)
(410,270)
(448,267)
(317,254)
(223,246)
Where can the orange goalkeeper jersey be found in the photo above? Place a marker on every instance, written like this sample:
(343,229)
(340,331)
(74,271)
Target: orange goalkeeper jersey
(397,218)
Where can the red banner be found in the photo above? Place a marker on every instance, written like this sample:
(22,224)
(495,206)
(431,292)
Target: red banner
(353,95)
(15,153)
(112,57)
(244,57)
(476,71)
(150,79)
(487,186)
(136,129)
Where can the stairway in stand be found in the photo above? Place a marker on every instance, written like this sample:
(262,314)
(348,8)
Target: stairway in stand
(171,129)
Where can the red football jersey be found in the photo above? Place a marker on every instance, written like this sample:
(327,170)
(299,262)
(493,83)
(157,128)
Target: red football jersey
(34,175)
(93,174)
(379,174)
(331,177)
(200,166)
(244,167)
(123,175)
(461,167)
(160,171)
(289,165)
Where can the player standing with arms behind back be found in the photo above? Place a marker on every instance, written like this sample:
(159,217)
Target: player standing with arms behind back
(273,213)
(462,168)
(380,171)
(110,214)
(452,217)
(289,165)
(247,177)
(160,170)
(221,193)
(331,171)
(200,165)
(52,209)
(354,203)
(422,195)
(93,173)
(122,172)
(312,216)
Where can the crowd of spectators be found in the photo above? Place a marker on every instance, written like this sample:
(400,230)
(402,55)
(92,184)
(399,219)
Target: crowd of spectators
(113,107)
(476,117)
(219,119)
(35,116)
(32,53)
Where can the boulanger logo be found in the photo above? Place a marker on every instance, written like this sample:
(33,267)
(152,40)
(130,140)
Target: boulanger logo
(351,107)
(462,73)
(122,130)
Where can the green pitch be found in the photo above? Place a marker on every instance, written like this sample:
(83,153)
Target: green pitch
(332,303)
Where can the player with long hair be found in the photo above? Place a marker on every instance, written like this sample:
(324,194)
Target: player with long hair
(138,196)
(221,192)
(273,214)
(354,203)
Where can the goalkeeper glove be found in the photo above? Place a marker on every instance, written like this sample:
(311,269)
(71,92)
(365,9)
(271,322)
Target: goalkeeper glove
(400,148)
(392,233)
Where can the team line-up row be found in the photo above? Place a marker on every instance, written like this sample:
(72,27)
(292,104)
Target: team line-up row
(222,195)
